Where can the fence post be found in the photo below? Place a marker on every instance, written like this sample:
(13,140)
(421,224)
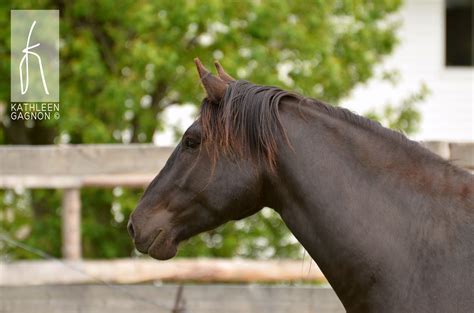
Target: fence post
(71,224)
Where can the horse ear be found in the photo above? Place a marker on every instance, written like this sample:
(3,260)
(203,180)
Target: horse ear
(222,74)
(214,86)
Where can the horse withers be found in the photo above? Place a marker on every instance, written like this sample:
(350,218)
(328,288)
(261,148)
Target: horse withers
(390,224)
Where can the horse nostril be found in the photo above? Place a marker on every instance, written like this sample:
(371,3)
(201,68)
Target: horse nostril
(131,231)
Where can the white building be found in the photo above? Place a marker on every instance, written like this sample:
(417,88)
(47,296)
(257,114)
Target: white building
(420,57)
(424,56)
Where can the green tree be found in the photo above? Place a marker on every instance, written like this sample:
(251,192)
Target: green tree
(124,62)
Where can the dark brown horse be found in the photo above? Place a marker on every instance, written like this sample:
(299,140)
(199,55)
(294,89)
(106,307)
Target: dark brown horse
(390,224)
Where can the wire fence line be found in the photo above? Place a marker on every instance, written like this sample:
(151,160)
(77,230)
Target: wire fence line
(178,307)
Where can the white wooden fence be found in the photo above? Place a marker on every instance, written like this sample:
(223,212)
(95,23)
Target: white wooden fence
(142,270)
(71,167)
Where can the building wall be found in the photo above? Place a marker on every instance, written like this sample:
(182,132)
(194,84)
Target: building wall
(447,113)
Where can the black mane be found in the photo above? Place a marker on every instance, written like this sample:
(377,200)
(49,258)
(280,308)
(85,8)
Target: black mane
(246,122)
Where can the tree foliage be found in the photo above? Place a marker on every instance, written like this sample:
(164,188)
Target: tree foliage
(124,62)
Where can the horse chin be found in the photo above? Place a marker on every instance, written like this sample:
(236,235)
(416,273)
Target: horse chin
(163,248)
(163,253)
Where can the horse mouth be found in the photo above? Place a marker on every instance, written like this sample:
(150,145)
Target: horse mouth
(157,237)
(163,246)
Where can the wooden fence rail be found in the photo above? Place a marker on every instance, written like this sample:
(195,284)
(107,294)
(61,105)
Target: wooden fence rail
(71,167)
(197,299)
(132,271)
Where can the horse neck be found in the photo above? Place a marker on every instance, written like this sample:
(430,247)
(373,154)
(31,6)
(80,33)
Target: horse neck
(354,199)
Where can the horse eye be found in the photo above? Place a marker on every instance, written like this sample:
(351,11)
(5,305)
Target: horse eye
(191,143)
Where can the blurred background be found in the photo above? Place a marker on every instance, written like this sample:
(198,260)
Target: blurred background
(128,77)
